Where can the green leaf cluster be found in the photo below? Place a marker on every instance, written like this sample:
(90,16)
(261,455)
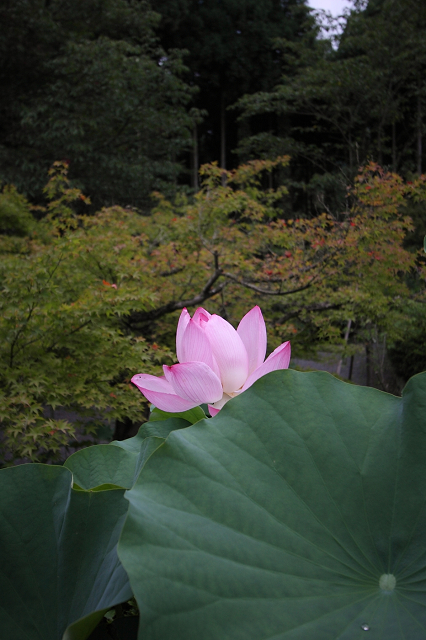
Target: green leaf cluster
(65,292)
(89,300)
(296,512)
(15,214)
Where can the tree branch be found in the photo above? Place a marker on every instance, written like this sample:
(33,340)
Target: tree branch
(268,292)
(319,307)
(66,335)
(18,333)
(44,333)
(172,272)
(207,292)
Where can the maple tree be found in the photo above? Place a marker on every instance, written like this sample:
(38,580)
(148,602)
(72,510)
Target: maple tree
(89,300)
(62,343)
(233,245)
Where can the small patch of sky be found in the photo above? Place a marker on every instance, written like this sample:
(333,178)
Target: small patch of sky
(331,15)
(335,7)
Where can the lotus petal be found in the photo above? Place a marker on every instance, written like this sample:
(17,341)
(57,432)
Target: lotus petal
(194,381)
(217,406)
(195,346)
(184,319)
(252,331)
(161,393)
(229,351)
(279,359)
(201,316)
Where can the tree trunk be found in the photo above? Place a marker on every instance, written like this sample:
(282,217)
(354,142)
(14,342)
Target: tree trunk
(368,363)
(351,161)
(222,138)
(419,134)
(379,146)
(351,367)
(195,160)
(222,134)
(348,329)
(393,147)
(125,429)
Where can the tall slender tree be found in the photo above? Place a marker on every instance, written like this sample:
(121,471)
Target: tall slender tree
(231,52)
(363,101)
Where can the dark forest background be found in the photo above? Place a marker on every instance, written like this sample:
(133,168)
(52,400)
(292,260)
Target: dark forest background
(135,96)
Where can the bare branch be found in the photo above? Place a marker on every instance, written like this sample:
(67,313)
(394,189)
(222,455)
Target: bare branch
(172,272)
(324,306)
(268,292)
(207,292)
(216,260)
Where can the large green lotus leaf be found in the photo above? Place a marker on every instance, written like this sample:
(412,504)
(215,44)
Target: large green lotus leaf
(58,549)
(297,513)
(117,465)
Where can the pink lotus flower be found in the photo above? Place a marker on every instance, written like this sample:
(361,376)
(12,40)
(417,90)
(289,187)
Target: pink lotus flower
(216,362)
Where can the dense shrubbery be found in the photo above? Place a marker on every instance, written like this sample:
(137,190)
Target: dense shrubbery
(62,339)
(86,299)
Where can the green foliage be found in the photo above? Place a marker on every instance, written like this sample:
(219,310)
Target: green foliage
(15,214)
(230,44)
(308,275)
(117,465)
(87,82)
(162,427)
(230,51)
(278,517)
(64,341)
(88,301)
(336,109)
(60,569)
(298,511)
(192,416)
(408,353)
(59,548)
